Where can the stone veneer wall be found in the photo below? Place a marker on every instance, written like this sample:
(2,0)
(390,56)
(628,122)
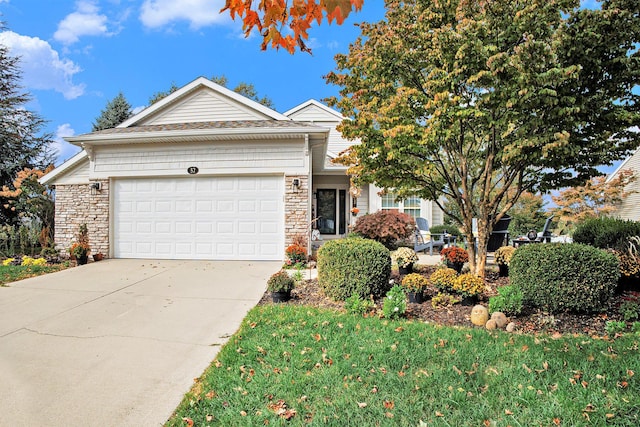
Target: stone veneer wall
(296,209)
(76,205)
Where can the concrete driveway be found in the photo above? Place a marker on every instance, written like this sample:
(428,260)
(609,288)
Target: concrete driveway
(118,342)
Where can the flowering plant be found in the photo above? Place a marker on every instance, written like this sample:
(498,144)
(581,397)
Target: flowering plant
(404,257)
(443,278)
(414,282)
(454,254)
(503,255)
(296,254)
(355,211)
(469,285)
(395,303)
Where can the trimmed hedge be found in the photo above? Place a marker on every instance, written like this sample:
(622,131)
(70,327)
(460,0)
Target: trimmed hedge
(559,277)
(606,233)
(354,265)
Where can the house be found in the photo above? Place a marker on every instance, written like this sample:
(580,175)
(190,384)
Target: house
(630,206)
(206,173)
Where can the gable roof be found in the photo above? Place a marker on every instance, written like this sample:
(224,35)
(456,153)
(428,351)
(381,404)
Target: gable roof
(312,104)
(63,168)
(200,83)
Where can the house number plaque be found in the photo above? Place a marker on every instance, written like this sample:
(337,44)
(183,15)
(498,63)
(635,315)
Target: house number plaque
(192,170)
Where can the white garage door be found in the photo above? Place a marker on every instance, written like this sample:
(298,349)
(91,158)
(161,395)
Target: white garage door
(221,218)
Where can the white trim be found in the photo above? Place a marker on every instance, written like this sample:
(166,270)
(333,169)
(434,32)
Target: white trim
(190,87)
(313,102)
(194,133)
(60,170)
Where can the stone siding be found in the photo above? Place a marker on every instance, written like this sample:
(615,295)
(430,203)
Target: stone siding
(76,205)
(296,209)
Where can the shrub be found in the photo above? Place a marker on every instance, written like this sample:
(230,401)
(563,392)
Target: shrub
(443,300)
(443,278)
(448,228)
(508,301)
(358,305)
(386,227)
(404,257)
(606,233)
(561,277)
(395,303)
(468,285)
(415,282)
(353,265)
(454,254)
(503,255)
(630,310)
(280,282)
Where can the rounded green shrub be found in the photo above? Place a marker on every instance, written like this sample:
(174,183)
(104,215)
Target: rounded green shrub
(353,265)
(559,277)
(606,233)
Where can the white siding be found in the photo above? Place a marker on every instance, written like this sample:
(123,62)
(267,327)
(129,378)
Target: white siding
(79,174)
(363,200)
(630,207)
(203,106)
(320,117)
(211,158)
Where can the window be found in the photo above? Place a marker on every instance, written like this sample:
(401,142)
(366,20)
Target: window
(409,206)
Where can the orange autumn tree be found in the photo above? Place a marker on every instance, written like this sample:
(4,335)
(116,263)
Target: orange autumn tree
(30,199)
(270,17)
(597,197)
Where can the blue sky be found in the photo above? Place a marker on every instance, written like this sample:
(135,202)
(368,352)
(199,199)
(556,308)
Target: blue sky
(78,54)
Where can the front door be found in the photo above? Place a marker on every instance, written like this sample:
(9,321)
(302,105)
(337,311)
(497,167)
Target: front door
(331,211)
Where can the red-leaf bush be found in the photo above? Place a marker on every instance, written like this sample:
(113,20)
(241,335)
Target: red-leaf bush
(386,227)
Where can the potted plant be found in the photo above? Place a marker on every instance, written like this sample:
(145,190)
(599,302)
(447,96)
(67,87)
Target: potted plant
(414,284)
(98,257)
(80,251)
(455,257)
(503,257)
(296,255)
(404,257)
(280,285)
(469,286)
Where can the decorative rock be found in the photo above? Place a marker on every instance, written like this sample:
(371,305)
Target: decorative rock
(500,319)
(491,324)
(479,315)
(511,327)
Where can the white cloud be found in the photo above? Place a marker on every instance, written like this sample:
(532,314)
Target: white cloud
(42,68)
(85,21)
(64,149)
(199,13)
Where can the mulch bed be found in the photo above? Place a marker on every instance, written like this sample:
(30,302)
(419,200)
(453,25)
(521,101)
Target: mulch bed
(530,321)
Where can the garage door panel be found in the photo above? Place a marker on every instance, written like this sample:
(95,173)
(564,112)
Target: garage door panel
(199,218)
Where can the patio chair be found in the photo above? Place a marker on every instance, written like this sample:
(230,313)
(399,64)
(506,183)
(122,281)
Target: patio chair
(500,234)
(545,235)
(421,243)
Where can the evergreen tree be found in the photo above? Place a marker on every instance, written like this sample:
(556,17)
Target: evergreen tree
(22,143)
(117,111)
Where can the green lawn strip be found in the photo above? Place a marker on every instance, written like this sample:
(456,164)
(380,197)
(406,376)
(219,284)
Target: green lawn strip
(337,369)
(13,273)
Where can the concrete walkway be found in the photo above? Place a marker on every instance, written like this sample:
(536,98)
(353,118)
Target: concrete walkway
(119,342)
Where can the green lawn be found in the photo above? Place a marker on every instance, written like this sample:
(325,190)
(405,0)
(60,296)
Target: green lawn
(13,273)
(320,367)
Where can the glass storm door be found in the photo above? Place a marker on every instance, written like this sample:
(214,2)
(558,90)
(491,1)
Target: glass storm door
(331,205)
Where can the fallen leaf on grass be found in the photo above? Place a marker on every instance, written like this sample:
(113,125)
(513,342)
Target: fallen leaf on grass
(362,404)
(508,412)
(189,421)
(556,421)
(439,414)
(209,418)
(388,404)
